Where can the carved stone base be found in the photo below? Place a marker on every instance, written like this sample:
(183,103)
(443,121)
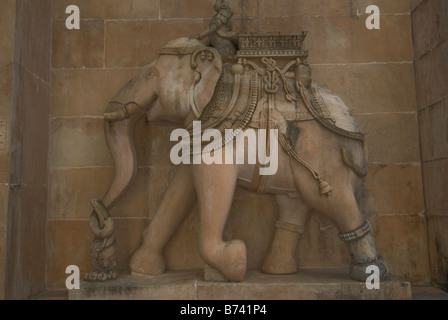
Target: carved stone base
(327,284)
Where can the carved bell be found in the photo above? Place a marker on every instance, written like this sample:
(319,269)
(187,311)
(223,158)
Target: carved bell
(324,187)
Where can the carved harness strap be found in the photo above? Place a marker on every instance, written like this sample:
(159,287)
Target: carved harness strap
(232,107)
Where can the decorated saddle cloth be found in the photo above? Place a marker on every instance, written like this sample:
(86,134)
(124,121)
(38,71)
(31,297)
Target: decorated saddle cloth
(233,103)
(259,91)
(241,101)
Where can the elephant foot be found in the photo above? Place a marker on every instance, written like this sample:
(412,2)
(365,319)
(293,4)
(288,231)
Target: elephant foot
(364,253)
(145,263)
(359,271)
(230,259)
(280,257)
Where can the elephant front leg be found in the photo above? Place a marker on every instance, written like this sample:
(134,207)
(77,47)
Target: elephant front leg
(280,258)
(176,204)
(215,187)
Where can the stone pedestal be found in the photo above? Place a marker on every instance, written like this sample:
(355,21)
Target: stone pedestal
(325,284)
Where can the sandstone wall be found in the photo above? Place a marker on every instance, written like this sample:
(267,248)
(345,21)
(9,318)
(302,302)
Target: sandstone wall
(430,22)
(24,111)
(7,28)
(371,70)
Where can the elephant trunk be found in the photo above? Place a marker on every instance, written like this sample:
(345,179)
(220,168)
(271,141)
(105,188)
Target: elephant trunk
(119,138)
(121,115)
(128,105)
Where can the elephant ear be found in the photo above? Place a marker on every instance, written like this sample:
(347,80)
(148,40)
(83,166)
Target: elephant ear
(207,64)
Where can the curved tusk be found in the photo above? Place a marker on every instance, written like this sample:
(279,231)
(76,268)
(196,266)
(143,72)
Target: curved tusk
(124,113)
(193,105)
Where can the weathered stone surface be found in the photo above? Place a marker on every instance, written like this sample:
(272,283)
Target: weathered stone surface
(436,184)
(32,244)
(370,87)
(68,243)
(192,9)
(98,87)
(384,182)
(6,98)
(288,24)
(142,48)
(347,40)
(26,241)
(432,76)
(317,284)
(402,241)
(332,284)
(384,132)
(36,38)
(195,9)
(430,31)
(25,31)
(109,9)
(415,4)
(298,8)
(71,190)
(386,6)
(35,129)
(6,87)
(4,194)
(244,8)
(438,251)
(7,31)
(83,48)
(429,26)
(78,142)
(5,155)
(433,122)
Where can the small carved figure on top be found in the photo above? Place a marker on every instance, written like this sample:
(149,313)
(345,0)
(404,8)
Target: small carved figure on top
(220,32)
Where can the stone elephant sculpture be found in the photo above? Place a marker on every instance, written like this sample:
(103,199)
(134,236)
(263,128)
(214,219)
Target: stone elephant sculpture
(321,158)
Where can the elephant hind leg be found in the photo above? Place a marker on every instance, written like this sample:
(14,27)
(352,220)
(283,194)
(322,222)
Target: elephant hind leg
(341,207)
(363,252)
(292,216)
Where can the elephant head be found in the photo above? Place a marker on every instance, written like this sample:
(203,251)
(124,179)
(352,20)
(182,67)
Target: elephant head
(183,79)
